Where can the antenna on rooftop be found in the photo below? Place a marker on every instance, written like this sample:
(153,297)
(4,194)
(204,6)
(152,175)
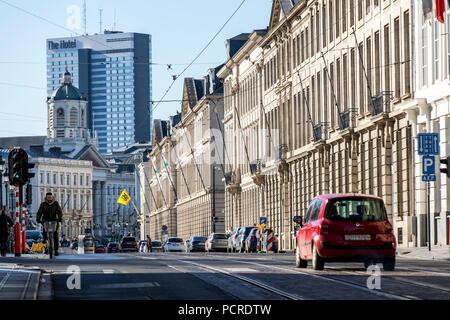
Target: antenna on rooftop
(84,17)
(100,10)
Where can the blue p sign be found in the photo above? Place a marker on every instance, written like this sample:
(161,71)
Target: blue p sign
(428,165)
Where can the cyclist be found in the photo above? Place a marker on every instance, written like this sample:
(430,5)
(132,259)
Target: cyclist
(50,210)
(5,224)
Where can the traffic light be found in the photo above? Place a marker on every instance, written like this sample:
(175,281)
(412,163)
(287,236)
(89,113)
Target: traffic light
(30,174)
(29,194)
(446,161)
(18,166)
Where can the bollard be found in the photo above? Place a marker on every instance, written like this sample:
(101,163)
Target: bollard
(24,237)
(17,233)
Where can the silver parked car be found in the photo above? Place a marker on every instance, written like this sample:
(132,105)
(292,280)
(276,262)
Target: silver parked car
(216,242)
(232,240)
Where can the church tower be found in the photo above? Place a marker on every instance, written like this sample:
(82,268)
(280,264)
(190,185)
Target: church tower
(67,118)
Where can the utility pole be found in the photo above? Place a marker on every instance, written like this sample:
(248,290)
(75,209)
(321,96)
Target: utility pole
(214,198)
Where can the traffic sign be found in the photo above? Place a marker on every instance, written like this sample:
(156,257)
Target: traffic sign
(262,220)
(164,228)
(428,143)
(429,177)
(428,165)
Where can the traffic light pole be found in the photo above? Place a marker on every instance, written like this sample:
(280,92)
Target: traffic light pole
(24,228)
(17,231)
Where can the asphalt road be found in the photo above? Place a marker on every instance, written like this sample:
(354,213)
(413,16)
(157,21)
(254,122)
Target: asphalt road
(234,276)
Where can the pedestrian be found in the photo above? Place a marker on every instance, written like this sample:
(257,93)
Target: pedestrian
(50,210)
(149,243)
(5,224)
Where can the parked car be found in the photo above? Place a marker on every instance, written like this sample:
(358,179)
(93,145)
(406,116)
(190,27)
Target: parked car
(232,240)
(33,236)
(173,244)
(216,242)
(242,235)
(129,244)
(345,227)
(156,246)
(251,242)
(196,243)
(112,247)
(100,248)
(65,243)
(143,246)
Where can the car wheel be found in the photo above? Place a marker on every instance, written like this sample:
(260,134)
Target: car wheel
(317,261)
(389,264)
(299,262)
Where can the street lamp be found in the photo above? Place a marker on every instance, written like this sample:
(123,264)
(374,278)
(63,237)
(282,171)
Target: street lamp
(214,167)
(2,167)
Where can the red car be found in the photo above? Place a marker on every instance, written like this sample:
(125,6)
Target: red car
(100,249)
(345,227)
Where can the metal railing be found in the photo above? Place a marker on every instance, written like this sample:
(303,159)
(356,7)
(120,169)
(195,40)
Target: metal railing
(345,119)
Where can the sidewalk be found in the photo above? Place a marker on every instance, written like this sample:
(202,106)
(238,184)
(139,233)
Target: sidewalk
(18,282)
(436,253)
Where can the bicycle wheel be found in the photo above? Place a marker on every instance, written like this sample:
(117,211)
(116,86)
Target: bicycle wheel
(50,245)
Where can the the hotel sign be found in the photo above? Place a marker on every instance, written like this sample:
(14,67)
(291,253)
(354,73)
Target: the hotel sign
(63,44)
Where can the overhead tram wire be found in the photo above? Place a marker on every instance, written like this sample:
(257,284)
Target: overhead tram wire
(195,59)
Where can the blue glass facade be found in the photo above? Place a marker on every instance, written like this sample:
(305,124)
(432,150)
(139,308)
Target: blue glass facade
(114,73)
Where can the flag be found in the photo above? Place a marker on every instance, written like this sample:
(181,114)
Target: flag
(157,176)
(124,198)
(166,164)
(440,9)
(427,8)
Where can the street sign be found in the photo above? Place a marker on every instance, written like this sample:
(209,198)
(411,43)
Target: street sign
(428,165)
(262,220)
(164,232)
(164,228)
(428,143)
(429,177)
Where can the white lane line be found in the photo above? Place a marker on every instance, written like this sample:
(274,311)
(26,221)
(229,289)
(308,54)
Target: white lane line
(108,271)
(239,269)
(126,285)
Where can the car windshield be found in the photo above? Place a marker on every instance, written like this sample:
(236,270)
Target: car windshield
(247,231)
(201,239)
(178,240)
(129,239)
(355,209)
(156,243)
(220,236)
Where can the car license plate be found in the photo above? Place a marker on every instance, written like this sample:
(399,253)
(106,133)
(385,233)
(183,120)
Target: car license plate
(357,237)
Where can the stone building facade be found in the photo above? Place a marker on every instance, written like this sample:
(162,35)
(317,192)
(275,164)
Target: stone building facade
(332,79)
(429,112)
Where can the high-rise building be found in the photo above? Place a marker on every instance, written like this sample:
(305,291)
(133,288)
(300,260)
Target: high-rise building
(113,72)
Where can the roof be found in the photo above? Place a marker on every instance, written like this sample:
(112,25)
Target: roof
(24,142)
(67,91)
(234,44)
(347,195)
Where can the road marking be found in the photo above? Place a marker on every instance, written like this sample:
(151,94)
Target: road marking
(240,269)
(108,271)
(126,285)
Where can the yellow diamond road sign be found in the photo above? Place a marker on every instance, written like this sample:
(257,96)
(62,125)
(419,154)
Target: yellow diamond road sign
(124,198)
(262,225)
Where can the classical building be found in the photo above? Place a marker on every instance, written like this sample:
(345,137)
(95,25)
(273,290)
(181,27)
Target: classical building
(68,164)
(181,180)
(429,112)
(332,78)
(199,158)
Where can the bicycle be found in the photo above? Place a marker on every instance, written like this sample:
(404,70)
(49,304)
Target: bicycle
(50,228)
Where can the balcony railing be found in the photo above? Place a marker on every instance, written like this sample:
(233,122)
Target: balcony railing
(380,103)
(255,167)
(281,152)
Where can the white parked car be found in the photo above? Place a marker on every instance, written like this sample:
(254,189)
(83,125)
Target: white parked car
(174,244)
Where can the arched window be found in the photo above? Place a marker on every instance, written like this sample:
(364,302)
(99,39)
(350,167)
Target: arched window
(73,117)
(60,118)
(82,117)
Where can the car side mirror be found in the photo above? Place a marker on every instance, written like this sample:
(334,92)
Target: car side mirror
(298,220)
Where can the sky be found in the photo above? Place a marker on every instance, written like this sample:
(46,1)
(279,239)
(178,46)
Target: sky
(179,28)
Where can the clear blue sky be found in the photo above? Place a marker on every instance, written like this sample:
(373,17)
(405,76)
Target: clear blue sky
(179,28)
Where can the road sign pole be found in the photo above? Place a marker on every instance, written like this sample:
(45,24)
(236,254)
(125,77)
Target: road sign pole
(428,216)
(17,233)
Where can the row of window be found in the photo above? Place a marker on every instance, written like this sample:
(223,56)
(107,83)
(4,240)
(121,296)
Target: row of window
(119,71)
(71,201)
(120,103)
(63,54)
(64,179)
(112,78)
(62,63)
